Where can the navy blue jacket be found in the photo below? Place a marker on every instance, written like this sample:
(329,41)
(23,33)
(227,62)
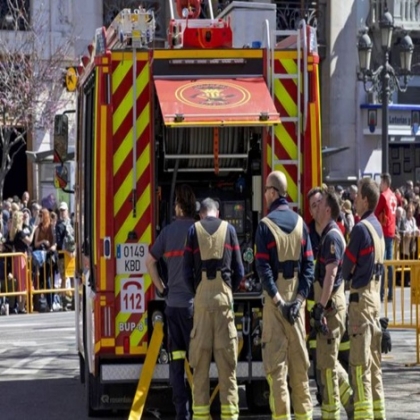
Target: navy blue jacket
(266,259)
(331,250)
(230,266)
(359,259)
(314,236)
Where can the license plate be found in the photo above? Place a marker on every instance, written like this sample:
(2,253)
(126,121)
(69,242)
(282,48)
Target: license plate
(131,258)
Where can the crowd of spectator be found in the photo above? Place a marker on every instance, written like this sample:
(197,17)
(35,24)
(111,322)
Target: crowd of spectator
(41,233)
(406,209)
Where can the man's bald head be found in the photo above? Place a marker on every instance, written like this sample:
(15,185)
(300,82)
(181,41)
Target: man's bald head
(278,181)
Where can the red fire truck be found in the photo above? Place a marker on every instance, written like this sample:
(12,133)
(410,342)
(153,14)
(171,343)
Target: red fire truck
(209,109)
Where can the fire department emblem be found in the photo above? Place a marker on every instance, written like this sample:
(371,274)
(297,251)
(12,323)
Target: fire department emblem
(332,248)
(212,95)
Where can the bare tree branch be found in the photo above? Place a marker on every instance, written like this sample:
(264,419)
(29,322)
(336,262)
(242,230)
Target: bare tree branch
(32,65)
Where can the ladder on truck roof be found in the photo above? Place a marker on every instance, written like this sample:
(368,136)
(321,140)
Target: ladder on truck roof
(293,40)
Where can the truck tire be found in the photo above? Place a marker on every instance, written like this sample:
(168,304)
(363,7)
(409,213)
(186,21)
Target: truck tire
(258,396)
(91,387)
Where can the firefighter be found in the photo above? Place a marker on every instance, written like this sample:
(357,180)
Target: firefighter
(179,300)
(314,197)
(363,267)
(328,316)
(213,269)
(284,261)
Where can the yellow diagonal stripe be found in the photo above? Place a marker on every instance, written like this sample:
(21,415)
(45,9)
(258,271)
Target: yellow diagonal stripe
(121,317)
(124,191)
(292,189)
(126,105)
(119,73)
(286,100)
(131,222)
(288,143)
(290,66)
(126,147)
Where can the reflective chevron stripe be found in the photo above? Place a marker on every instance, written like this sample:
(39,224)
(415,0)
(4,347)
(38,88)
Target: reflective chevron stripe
(122,169)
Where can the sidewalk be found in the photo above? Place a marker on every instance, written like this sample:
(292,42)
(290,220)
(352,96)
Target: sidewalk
(402,377)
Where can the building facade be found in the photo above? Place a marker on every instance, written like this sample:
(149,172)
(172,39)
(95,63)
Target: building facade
(347,108)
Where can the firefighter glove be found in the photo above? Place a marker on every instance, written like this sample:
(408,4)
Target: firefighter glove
(162,294)
(294,311)
(318,321)
(384,323)
(284,308)
(386,344)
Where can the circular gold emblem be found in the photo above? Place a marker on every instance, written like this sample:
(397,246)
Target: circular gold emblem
(212,95)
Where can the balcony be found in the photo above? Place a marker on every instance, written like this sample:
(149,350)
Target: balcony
(406,13)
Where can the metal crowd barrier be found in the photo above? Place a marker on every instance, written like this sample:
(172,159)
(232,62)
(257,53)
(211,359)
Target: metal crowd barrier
(14,282)
(24,281)
(403,311)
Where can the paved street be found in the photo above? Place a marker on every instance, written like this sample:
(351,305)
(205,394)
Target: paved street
(39,375)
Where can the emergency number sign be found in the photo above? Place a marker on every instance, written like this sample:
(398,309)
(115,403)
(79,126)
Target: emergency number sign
(132,295)
(131,258)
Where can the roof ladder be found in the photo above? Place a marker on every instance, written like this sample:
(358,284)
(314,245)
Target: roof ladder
(301,80)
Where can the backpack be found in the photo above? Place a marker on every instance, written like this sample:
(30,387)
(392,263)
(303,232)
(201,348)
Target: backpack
(69,243)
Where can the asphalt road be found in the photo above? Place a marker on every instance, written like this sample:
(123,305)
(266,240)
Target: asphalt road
(39,373)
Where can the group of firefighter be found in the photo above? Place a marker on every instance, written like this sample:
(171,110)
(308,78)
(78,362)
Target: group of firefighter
(204,267)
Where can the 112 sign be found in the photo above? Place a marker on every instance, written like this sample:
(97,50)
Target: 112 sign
(132,295)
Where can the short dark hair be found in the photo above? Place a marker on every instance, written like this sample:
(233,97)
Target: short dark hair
(333,202)
(369,189)
(185,198)
(313,191)
(208,204)
(386,177)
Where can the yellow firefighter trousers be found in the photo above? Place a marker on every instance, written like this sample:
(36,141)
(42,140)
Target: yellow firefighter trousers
(365,353)
(214,332)
(284,354)
(335,385)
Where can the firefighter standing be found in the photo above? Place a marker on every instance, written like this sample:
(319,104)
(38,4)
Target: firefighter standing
(329,313)
(363,267)
(213,269)
(314,197)
(285,266)
(179,299)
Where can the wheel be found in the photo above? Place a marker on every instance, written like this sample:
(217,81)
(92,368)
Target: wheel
(91,391)
(258,397)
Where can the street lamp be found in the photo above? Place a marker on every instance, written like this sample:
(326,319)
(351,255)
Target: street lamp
(384,80)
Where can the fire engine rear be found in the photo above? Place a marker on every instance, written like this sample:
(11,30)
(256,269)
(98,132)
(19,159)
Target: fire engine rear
(226,101)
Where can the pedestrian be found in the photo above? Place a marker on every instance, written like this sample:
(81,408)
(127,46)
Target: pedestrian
(386,212)
(213,270)
(284,262)
(170,245)
(328,316)
(66,246)
(363,267)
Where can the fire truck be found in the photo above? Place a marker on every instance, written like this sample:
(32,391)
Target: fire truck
(221,103)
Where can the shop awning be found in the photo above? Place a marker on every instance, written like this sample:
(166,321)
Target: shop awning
(216,102)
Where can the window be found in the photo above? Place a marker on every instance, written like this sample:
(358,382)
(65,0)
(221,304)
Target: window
(14,15)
